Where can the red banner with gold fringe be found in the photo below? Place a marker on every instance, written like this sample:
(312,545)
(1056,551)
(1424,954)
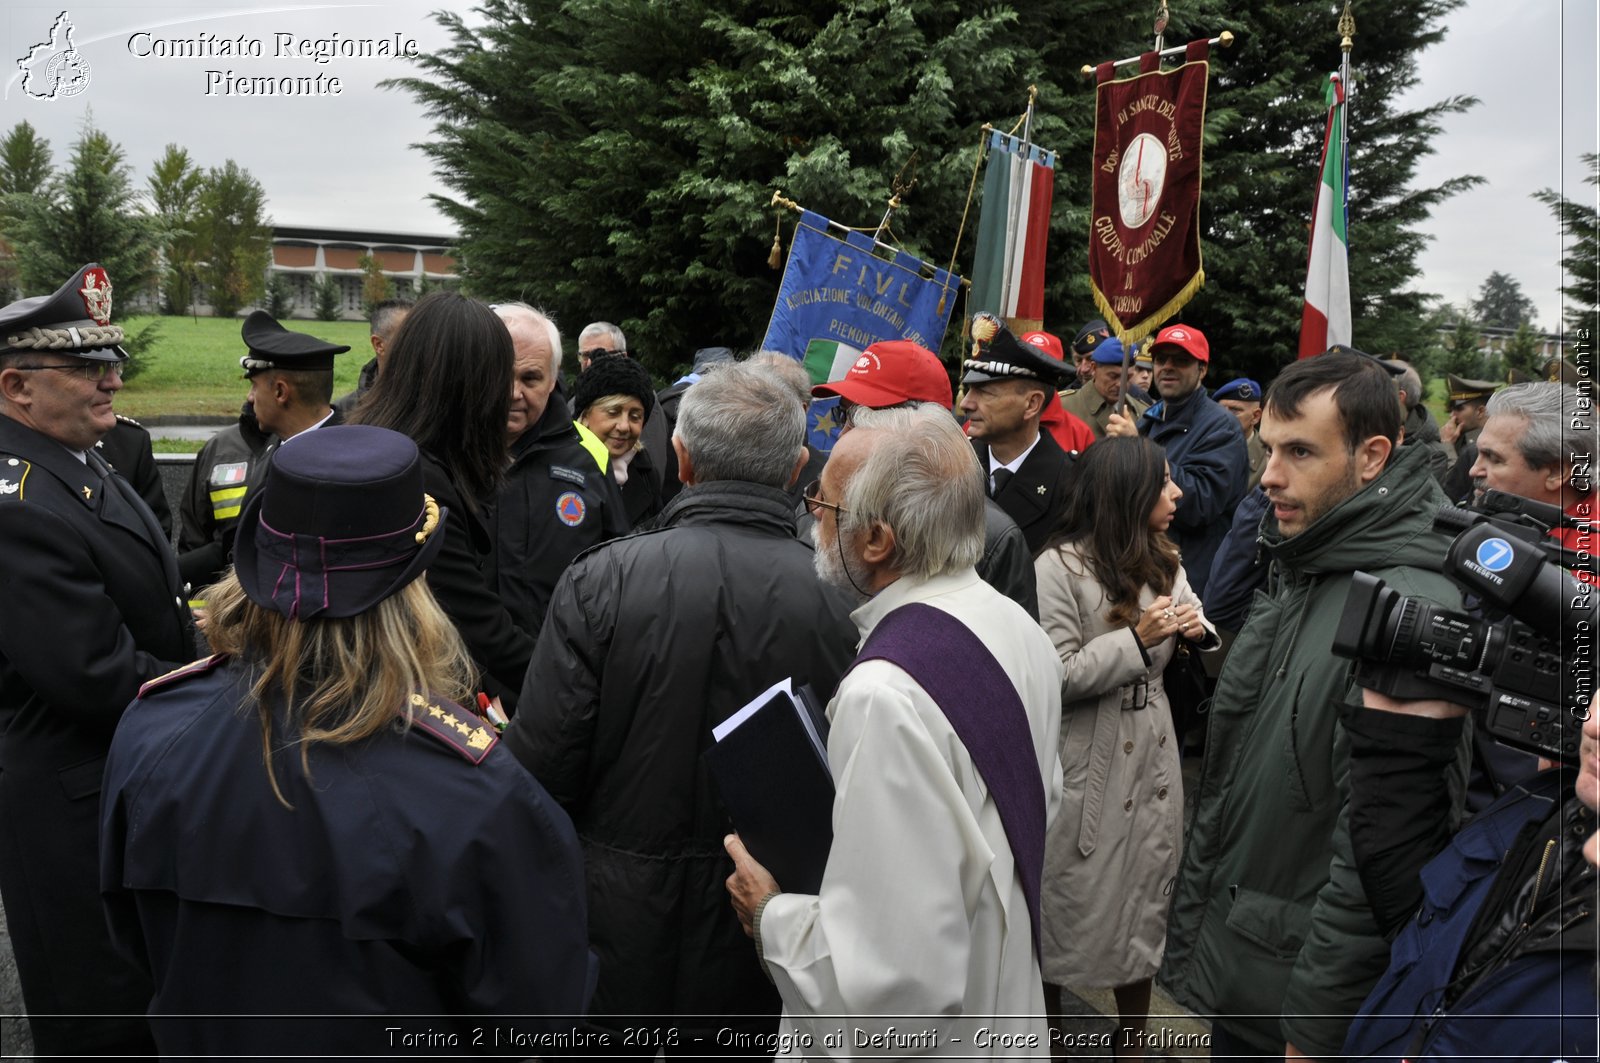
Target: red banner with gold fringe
(1144,232)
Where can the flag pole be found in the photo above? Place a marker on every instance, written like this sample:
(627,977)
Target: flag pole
(1347,32)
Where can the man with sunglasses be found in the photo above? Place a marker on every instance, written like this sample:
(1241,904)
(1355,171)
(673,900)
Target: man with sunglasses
(1469,411)
(92,609)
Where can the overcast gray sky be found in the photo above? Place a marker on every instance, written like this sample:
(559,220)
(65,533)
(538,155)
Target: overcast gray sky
(345,161)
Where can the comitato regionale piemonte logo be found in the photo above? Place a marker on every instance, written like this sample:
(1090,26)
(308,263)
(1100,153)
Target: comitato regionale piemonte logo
(55,69)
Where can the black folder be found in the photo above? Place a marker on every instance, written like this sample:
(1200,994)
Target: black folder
(771,766)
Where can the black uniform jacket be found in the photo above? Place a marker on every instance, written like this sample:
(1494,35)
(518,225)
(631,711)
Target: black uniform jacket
(556,503)
(88,611)
(1037,492)
(127,449)
(223,474)
(420,872)
(651,641)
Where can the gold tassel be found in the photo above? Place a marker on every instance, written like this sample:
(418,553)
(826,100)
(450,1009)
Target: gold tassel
(775,257)
(430,520)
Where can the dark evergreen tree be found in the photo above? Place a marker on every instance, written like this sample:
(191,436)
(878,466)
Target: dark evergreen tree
(614,159)
(24,169)
(326,297)
(174,190)
(86,213)
(1501,302)
(1580,227)
(235,237)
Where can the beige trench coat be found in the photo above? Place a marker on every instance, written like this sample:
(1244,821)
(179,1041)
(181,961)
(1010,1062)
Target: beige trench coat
(1112,852)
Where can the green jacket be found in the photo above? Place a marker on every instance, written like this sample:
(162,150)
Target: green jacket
(1269,918)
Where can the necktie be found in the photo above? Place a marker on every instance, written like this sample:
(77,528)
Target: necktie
(1000,477)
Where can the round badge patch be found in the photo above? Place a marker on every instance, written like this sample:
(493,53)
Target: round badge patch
(570,509)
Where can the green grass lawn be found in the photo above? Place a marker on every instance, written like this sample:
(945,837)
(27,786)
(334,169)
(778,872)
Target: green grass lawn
(193,367)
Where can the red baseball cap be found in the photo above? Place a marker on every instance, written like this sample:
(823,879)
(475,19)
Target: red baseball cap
(889,373)
(1047,343)
(1186,338)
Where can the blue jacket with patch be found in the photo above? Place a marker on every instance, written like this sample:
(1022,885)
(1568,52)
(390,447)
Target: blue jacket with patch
(1211,465)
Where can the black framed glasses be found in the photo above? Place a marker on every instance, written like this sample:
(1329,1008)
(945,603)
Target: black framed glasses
(815,501)
(88,370)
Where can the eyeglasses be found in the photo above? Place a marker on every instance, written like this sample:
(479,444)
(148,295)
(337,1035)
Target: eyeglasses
(815,501)
(598,352)
(89,370)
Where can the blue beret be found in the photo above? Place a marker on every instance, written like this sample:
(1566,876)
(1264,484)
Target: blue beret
(1244,389)
(1109,352)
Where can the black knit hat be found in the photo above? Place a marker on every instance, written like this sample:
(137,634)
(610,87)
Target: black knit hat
(612,376)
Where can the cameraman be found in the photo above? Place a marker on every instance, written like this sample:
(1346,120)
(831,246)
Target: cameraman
(1499,960)
(1539,443)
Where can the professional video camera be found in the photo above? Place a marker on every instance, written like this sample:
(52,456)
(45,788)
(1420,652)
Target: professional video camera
(1527,667)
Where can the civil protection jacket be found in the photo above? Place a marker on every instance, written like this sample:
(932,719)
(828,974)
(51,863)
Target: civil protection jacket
(1269,918)
(651,641)
(1211,464)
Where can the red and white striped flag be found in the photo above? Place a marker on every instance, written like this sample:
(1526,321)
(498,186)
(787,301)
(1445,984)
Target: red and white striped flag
(1326,318)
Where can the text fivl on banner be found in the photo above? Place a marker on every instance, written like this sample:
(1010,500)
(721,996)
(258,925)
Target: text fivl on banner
(838,296)
(1144,233)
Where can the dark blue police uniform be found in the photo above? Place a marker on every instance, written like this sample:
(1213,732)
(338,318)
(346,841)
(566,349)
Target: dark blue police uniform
(421,872)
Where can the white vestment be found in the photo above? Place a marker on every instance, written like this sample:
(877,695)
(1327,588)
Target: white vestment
(920,942)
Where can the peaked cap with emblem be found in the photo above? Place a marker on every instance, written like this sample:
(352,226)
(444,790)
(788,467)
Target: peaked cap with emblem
(998,355)
(75,320)
(340,524)
(1464,390)
(1389,366)
(274,347)
(1561,370)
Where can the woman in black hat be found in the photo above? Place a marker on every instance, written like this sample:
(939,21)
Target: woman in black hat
(446,384)
(307,824)
(613,399)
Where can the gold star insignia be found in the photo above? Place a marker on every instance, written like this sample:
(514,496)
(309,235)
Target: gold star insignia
(436,712)
(87,494)
(463,728)
(828,421)
(479,739)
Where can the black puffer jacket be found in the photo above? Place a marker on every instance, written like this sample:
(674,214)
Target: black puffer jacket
(556,503)
(650,642)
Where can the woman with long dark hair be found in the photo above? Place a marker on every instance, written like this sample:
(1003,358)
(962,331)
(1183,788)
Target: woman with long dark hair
(447,384)
(308,828)
(1114,599)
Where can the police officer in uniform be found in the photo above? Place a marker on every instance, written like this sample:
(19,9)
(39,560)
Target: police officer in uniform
(1468,404)
(365,849)
(1097,400)
(92,609)
(291,391)
(128,450)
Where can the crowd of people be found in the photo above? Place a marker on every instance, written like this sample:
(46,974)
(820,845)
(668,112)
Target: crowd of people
(412,723)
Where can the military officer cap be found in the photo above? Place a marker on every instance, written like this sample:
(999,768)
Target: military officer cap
(1464,390)
(1562,371)
(274,347)
(1090,336)
(74,320)
(1390,367)
(998,355)
(1517,376)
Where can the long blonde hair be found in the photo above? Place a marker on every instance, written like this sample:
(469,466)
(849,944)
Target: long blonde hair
(340,679)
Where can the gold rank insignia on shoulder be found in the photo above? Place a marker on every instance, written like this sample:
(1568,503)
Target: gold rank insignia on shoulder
(452,726)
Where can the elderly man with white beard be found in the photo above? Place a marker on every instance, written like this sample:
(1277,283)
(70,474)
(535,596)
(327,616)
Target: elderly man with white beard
(943,753)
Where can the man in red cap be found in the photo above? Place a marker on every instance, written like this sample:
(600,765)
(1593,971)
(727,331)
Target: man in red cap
(1205,447)
(1068,429)
(901,373)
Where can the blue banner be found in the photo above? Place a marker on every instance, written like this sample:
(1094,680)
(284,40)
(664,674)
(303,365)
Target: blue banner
(844,293)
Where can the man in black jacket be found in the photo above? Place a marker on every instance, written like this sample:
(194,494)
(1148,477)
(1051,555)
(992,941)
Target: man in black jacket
(556,502)
(1026,471)
(91,611)
(650,641)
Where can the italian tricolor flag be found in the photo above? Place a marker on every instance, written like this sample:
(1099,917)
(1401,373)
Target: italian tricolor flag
(829,360)
(1008,265)
(1326,319)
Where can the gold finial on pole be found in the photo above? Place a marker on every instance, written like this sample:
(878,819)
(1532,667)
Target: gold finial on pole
(781,200)
(1347,29)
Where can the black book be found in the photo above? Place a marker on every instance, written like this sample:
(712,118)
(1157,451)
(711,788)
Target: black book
(770,760)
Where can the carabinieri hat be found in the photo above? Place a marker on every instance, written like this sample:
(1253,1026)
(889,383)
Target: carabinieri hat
(998,355)
(74,320)
(1242,389)
(1389,366)
(274,347)
(340,524)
